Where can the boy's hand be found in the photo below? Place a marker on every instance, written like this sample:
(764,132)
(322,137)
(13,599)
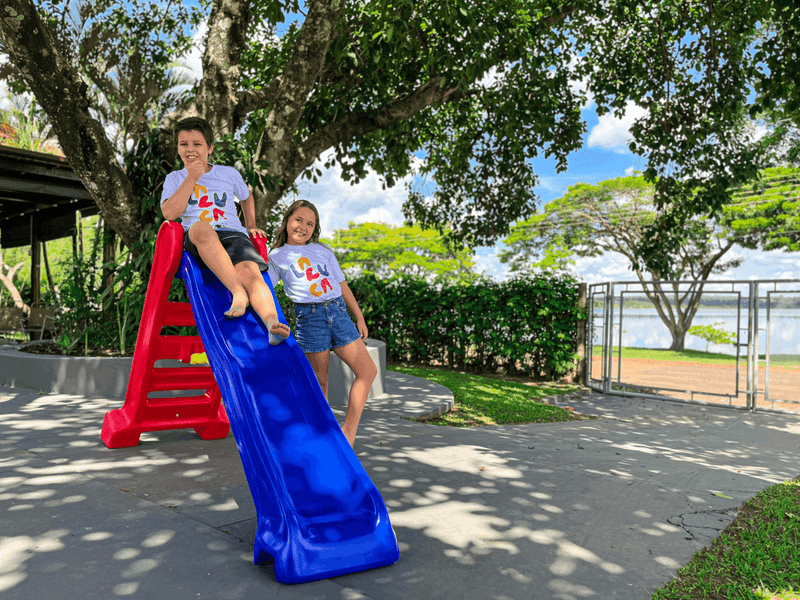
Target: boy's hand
(257,233)
(195,167)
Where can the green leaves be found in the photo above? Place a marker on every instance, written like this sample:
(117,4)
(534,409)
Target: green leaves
(766,214)
(522,326)
(402,252)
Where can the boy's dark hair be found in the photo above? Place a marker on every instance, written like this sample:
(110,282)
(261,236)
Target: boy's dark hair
(195,124)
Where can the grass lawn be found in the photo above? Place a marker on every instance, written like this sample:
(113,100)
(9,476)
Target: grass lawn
(755,558)
(783,360)
(480,400)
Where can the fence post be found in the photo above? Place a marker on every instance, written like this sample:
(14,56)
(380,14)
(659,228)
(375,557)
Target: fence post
(580,367)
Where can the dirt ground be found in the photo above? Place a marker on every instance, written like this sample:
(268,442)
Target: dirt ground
(698,381)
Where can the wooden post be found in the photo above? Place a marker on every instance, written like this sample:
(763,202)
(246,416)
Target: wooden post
(580,368)
(36,266)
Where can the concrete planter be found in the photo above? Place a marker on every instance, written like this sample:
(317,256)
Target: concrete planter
(108,377)
(91,376)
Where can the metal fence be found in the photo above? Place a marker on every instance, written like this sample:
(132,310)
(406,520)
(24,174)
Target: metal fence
(759,369)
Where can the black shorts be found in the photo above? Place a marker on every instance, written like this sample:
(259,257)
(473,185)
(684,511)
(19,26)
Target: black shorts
(236,244)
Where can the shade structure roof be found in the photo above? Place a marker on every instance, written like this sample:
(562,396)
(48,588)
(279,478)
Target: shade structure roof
(39,194)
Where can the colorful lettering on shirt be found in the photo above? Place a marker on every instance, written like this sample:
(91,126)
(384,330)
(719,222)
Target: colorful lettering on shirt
(196,195)
(200,198)
(307,271)
(314,290)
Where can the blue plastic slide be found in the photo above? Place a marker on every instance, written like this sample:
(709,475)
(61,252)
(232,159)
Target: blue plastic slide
(319,514)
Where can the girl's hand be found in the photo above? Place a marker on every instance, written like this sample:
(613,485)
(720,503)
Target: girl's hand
(361,325)
(257,233)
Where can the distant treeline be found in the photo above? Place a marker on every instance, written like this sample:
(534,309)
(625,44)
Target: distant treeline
(782,300)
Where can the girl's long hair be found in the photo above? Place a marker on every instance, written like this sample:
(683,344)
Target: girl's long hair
(281,237)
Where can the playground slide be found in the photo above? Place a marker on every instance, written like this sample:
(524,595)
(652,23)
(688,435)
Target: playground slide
(319,514)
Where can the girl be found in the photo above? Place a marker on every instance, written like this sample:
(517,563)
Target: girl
(314,281)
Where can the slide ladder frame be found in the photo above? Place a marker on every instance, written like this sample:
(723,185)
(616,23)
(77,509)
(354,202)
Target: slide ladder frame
(140,413)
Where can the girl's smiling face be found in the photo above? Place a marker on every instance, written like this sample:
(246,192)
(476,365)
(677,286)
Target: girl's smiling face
(300,226)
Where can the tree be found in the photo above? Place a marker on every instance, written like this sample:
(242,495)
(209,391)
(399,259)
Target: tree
(697,89)
(398,252)
(376,81)
(476,87)
(65,55)
(7,273)
(766,214)
(614,216)
(713,334)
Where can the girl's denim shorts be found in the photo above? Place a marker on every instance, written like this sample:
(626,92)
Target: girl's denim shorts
(324,325)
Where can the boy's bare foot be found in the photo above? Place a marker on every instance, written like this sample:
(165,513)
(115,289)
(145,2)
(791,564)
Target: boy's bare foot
(238,305)
(277,332)
(235,311)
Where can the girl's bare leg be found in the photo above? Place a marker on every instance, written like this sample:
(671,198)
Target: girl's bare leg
(356,356)
(320,361)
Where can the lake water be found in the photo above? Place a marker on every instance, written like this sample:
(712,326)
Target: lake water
(643,328)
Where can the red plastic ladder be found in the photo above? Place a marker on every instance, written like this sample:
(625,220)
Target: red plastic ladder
(123,426)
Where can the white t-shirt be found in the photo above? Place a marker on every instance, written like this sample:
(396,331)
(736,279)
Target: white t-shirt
(212,199)
(310,273)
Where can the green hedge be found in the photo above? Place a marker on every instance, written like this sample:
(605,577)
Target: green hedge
(521,326)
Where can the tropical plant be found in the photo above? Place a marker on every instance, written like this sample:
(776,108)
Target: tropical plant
(24,125)
(713,334)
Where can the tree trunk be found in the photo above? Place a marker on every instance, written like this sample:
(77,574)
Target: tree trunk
(678,339)
(62,94)
(8,280)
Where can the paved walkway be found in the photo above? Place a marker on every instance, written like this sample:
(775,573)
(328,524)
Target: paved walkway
(606,508)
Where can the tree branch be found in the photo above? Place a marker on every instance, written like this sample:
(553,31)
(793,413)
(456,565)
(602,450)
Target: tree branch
(226,40)
(344,130)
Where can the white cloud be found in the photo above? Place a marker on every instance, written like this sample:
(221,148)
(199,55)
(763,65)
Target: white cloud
(194,58)
(487,261)
(630,170)
(614,133)
(339,202)
(600,269)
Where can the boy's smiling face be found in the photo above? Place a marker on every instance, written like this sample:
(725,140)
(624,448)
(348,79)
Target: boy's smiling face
(193,146)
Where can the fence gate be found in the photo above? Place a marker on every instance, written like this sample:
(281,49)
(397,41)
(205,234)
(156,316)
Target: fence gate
(756,366)
(597,376)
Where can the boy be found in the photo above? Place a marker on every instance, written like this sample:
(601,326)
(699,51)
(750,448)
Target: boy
(202,195)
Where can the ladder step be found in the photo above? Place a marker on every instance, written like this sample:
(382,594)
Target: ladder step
(181,378)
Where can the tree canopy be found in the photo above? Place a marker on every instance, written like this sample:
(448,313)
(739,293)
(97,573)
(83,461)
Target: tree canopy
(477,88)
(402,252)
(766,214)
(615,216)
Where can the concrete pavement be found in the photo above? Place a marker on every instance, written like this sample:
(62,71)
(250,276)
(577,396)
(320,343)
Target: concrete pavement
(605,508)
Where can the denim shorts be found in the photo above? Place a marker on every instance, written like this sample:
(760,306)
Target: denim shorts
(325,325)
(236,244)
